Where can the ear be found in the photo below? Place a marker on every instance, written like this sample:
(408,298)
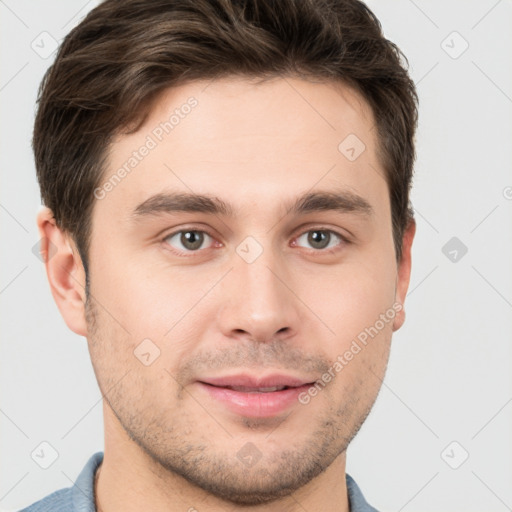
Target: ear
(404,273)
(65,271)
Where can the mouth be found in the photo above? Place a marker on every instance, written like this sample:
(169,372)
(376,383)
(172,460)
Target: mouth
(246,389)
(255,397)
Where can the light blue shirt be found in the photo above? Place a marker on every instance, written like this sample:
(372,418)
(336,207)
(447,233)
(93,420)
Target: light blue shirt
(80,497)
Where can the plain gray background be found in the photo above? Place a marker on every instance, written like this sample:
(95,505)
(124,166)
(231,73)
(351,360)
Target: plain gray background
(447,393)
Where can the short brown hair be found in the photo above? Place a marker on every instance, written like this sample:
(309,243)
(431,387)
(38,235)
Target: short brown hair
(111,67)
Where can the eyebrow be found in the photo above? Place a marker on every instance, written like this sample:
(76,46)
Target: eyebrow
(343,202)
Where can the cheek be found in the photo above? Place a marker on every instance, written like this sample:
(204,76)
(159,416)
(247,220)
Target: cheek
(350,298)
(355,306)
(149,299)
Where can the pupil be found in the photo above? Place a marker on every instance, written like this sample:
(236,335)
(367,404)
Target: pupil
(318,237)
(192,239)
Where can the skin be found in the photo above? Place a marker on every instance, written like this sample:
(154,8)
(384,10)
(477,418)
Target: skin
(295,309)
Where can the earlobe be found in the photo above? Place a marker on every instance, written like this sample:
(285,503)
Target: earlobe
(404,274)
(64,270)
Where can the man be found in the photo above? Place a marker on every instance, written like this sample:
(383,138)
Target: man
(227,221)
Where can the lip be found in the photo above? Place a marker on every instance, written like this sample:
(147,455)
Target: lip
(251,402)
(250,381)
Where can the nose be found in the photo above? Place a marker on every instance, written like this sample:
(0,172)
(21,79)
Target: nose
(258,301)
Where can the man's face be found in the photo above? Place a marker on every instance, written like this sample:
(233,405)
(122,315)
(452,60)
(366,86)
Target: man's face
(187,304)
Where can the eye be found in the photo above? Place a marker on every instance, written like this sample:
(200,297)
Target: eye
(321,239)
(188,240)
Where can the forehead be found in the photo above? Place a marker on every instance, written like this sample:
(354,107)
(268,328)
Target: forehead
(247,140)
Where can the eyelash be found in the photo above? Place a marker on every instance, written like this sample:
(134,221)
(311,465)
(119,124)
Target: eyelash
(331,250)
